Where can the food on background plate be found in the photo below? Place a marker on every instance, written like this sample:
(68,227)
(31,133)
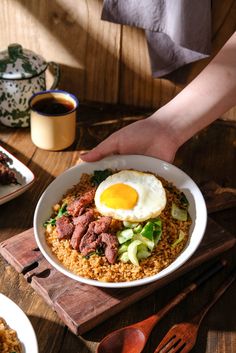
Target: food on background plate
(9,342)
(7,175)
(117,226)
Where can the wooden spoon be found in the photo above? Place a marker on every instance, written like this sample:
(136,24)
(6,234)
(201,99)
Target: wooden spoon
(132,338)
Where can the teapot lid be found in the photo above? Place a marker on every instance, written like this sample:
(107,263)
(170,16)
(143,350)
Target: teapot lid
(18,63)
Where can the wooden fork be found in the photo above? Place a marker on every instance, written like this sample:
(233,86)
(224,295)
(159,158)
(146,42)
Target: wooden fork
(182,337)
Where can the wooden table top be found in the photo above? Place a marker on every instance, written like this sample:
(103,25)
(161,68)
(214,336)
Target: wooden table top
(208,156)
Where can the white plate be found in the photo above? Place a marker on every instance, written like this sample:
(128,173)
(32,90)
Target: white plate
(55,191)
(23,175)
(18,321)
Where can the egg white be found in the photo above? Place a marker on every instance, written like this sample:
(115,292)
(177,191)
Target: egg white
(151,196)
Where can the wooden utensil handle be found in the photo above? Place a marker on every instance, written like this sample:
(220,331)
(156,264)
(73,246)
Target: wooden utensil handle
(219,292)
(213,269)
(210,272)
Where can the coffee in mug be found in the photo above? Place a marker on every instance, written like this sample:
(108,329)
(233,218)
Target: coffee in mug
(53,119)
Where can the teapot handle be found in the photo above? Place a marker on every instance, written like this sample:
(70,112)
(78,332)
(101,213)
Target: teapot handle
(56,71)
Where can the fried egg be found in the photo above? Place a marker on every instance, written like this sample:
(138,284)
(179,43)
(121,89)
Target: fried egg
(130,196)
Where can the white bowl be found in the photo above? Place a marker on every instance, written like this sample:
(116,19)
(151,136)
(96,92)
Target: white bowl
(55,191)
(17,320)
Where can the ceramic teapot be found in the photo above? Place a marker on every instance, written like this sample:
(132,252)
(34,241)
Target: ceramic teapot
(22,73)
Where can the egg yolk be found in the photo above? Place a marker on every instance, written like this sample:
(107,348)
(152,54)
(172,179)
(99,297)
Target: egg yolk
(119,196)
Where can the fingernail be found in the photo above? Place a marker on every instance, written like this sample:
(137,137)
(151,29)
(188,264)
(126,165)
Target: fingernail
(82,153)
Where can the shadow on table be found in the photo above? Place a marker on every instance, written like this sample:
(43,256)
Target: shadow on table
(54,337)
(219,319)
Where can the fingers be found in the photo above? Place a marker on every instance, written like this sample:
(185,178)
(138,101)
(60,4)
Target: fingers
(105,148)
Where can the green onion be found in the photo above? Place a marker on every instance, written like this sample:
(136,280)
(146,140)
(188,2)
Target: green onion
(51,221)
(62,212)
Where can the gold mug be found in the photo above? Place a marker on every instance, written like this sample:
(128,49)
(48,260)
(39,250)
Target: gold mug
(53,119)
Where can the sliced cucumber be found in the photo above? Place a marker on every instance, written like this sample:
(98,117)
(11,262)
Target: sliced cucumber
(124,235)
(132,251)
(124,257)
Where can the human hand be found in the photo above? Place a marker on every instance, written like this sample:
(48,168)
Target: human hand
(195,107)
(150,137)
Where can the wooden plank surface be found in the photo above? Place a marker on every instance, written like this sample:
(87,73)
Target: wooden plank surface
(71,33)
(83,307)
(102,61)
(209,155)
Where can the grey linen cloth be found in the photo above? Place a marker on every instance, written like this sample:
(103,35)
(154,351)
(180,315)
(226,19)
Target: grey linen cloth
(178,32)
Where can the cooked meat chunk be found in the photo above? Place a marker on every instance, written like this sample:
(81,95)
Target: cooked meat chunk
(90,241)
(81,225)
(4,159)
(111,246)
(102,225)
(96,237)
(7,176)
(88,215)
(76,207)
(65,227)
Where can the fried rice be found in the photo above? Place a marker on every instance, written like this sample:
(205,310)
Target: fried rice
(97,267)
(9,342)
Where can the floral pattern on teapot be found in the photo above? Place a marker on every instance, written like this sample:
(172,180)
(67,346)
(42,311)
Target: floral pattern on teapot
(22,74)
(14,107)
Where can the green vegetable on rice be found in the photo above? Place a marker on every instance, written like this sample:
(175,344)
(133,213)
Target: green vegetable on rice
(99,176)
(179,213)
(124,235)
(62,212)
(132,251)
(179,240)
(138,240)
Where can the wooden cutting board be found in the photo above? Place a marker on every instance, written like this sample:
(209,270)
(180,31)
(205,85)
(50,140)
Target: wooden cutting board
(80,306)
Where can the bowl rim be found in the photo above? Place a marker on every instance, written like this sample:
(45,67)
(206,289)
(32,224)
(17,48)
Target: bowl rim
(201,226)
